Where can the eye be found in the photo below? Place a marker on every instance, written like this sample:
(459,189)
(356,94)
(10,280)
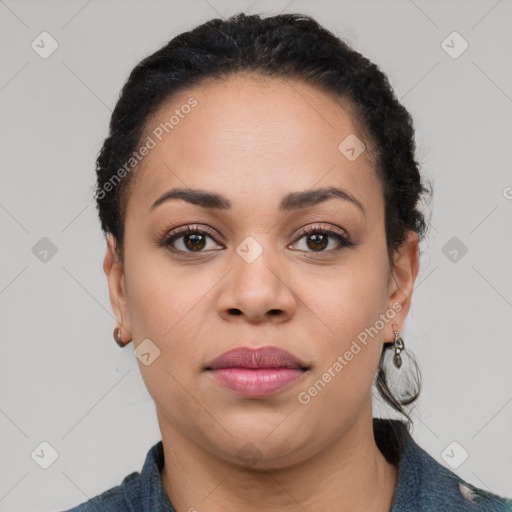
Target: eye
(318,238)
(189,240)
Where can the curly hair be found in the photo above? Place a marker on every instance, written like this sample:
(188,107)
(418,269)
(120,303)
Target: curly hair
(284,46)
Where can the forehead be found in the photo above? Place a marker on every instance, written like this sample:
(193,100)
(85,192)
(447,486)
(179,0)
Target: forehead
(255,135)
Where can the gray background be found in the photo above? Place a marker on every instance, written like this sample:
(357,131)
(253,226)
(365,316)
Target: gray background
(63,380)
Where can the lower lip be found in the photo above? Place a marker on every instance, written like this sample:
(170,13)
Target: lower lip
(256,383)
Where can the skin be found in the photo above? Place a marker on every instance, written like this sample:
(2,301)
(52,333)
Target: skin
(254,140)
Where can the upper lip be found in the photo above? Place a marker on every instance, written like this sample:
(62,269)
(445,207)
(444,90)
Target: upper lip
(263,357)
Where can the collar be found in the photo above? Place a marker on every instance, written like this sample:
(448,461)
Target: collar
(424,484)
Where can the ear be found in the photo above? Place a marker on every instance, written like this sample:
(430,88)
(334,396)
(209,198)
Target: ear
(116,286)
(401,281)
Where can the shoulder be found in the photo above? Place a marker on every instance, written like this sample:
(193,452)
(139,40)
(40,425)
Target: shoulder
(481,499)
(460,495)
(138,492)
(446,488)
(423,483)
(121,498)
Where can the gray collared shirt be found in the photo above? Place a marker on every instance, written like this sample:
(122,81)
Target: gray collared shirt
(423,485)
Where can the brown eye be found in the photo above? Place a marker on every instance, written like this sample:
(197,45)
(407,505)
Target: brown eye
(189,240)
(317,239)
(194,241)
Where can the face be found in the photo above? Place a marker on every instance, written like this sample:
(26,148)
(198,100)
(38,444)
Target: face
(270,265)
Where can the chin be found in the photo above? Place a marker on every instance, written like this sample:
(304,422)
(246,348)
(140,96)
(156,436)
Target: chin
(264,448)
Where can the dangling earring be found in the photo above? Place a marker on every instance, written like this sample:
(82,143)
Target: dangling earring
(399,346)
(118,337)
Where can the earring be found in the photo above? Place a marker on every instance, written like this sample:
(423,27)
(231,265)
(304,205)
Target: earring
(118,337)
(399,346)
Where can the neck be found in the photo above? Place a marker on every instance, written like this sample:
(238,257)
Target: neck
(349,475)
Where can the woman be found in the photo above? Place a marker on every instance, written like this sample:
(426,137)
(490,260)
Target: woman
(260,198)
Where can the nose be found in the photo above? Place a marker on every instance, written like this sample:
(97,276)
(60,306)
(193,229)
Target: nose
(257,291)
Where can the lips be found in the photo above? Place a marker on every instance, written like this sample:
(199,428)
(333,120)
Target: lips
(264,357)
(256,373)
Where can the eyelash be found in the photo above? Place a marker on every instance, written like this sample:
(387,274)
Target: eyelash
(169,238)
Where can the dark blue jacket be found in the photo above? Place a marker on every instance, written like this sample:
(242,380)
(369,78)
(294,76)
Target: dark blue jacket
(423,484)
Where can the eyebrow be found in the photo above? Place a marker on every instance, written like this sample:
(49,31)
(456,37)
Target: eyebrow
(292,201)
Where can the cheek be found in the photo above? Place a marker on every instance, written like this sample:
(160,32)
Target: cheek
(356,296)
(348,356)
(161,293)
(353,311)
(166,305)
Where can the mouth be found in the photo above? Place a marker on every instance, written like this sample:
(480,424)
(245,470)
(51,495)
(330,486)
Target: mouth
(256,373)
(260,358)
